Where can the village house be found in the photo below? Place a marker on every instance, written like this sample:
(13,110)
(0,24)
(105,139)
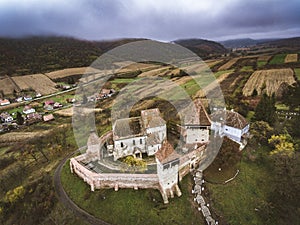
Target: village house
(33,118)
(48,105)
(70,100)
(28,98)
(19,99)
(57,105)
(106,93)
(48,117)
(4,102)
(28,110)
(6,117)
(233,126)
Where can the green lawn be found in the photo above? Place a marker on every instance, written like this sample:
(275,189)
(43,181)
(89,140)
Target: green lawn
(239,200)
(128,206)
(297,72)
(191,87)
(221,72)
(278,59)
(247,69)
(261,63)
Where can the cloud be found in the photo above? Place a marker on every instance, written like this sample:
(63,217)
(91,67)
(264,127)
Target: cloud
(162,20)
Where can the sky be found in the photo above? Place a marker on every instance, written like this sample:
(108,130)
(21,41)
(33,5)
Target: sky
(163,20)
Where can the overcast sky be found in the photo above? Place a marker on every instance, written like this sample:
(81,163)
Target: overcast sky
(163,20)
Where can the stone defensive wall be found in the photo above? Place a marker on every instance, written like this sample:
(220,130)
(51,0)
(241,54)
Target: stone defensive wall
(191,160)
(188,162)
(114,180)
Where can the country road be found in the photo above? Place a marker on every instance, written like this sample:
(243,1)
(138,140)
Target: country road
(64,198)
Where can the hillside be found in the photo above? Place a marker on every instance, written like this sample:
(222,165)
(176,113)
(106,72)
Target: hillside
(31,55)
(286,42)
(238,43)
(244,42)
(203,48)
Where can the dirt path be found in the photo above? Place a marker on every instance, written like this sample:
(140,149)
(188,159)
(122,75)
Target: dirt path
(64,198)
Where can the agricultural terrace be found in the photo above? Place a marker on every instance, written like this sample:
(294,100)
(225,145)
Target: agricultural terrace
(229,64)
(278,59)
(268,80)
(291,58)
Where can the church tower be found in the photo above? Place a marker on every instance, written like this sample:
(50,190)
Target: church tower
(167,170)
(93,147)
(197,125)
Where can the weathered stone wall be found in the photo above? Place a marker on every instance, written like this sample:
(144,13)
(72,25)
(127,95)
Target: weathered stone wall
(114,180)
(190,161)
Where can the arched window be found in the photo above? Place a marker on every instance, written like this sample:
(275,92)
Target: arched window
(122,145)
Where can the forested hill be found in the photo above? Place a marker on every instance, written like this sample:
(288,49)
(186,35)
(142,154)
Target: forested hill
(203,48)
(19,56)
(30,55)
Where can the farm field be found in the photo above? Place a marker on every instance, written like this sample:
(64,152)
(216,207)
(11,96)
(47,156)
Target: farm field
(278,59)
(291,58)
(229,64)
(38,82)
(8,86)
(66,72)
(268,80)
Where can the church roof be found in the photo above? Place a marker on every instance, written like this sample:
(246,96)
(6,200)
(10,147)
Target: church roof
(93,139)
(166,153)
(127,127)
(233,119)
(153,139)
(198,116)
(151,118)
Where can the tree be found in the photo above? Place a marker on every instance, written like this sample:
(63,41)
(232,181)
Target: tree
(14,195)
(266,110)
(254,93)
(282,145)
(292,97)
(261,131)
(19,118)
(286,165)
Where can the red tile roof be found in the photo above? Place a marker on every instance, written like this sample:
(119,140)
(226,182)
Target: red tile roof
(166,153)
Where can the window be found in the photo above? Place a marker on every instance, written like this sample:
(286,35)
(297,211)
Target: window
(122,145)
(141,141)
(133,142)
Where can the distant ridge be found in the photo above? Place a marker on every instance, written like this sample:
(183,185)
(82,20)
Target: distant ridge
(203,48)
(243,42)
(293,42)
(248,42)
